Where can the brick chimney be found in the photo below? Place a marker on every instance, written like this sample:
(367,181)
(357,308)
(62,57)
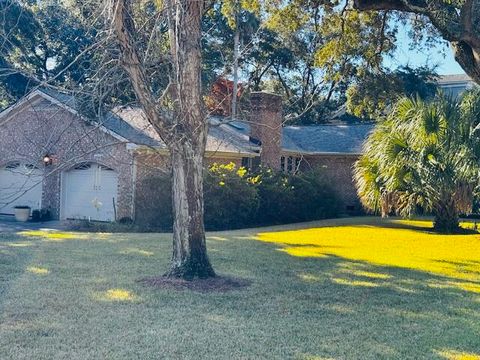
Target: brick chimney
(266,117)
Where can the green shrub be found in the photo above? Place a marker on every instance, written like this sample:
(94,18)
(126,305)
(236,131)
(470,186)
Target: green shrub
(235,198)
(276,198)
(294,198)
(231,200)
(153,203)
(313,197)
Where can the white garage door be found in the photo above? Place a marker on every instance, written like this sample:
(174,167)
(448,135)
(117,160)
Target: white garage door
(90,192)
(20,185)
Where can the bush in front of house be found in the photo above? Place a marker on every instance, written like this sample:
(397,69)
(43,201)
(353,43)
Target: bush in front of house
(276,197)
(231,200)
(235,198)
(313,197)
(295,198)
(153,203)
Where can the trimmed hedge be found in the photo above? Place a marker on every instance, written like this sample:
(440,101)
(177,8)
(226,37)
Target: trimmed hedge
(236,199)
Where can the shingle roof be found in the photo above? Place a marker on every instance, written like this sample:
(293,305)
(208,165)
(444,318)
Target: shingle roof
(319,139)
(233,136)
(326,139)
(131,124)
(220,138)
(453,78)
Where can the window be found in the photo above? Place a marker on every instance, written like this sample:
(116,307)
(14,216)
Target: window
(290,164)
(12,165)
(105,168)
(247,162)
(251,163)
(83,166)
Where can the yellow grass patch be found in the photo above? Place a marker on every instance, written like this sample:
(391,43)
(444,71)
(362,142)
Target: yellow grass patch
(38,270)
(369,274)
(400,244)
(50,235)
(457,355)
(119,295)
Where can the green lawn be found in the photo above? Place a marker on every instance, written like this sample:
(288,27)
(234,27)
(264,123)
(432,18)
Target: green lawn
(344,289)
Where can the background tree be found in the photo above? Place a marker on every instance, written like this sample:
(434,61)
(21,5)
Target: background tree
(376,93)
(458,22)
(42,42)
(425,154)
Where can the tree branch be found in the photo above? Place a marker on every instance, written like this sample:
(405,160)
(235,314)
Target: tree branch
(123,27)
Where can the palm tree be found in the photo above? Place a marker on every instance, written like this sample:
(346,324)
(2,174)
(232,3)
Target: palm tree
(423,155)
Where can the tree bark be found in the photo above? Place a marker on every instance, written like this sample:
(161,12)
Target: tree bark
(460,25)
(189,258)
(184,130)
(446,216)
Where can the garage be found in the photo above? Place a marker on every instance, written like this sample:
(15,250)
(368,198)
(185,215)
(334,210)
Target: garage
(89,192)
(20,185)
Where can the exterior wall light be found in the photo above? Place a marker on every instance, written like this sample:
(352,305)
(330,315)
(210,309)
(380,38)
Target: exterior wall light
(47,160)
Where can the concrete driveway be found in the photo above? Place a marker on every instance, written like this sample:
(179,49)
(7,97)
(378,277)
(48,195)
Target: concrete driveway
(8,224)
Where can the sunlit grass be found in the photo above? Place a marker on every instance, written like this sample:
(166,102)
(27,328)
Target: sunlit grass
(456,257)
(354,282)
(37,270)
(309,277)
(118,295)
(458,355)
(50,235)
(217,238)
(60,236)
(368,274)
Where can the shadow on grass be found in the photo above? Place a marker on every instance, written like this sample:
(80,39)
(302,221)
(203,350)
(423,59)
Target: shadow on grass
(367,311)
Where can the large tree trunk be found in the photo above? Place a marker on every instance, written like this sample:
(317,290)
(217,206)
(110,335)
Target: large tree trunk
(189,258)
(187,145)
(183,129)
(446,216)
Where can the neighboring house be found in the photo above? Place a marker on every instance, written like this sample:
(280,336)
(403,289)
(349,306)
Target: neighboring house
(54,158)
(456,84)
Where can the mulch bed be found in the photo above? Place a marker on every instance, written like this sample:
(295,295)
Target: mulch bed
(216,284)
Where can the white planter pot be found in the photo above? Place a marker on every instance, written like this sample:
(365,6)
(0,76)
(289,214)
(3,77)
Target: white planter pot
(22,214)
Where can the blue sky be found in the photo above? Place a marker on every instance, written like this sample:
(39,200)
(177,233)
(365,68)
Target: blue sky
(440,55)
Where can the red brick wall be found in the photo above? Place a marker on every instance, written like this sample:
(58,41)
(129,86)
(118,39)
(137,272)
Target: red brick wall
(339,171)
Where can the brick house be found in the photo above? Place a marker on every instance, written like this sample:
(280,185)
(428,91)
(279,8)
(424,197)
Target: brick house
(54,158)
